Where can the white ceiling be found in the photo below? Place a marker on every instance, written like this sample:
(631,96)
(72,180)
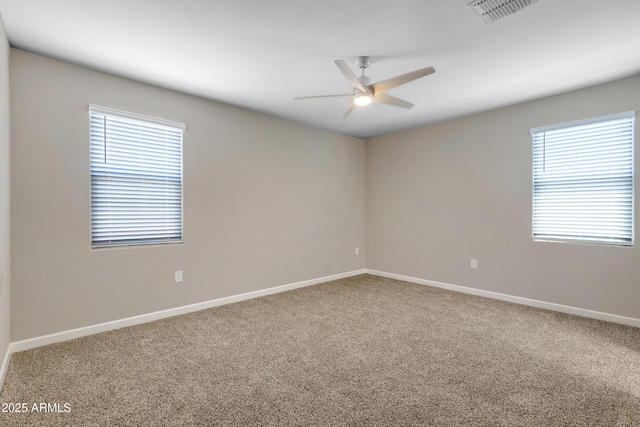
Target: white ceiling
(259,55)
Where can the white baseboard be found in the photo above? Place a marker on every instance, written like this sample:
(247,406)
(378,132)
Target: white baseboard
(630,321)
(150,317)
(5,365)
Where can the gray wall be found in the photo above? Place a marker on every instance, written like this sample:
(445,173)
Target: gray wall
(269,202)
(4,195)
(266,203)
(440,195)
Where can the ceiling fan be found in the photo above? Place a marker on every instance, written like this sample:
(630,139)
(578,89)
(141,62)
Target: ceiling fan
(365,93)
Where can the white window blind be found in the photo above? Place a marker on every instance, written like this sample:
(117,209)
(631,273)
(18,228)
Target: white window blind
(136,179)
(583,180)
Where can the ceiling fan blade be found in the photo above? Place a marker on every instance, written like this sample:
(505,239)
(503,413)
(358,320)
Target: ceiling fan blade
(349,74)
(348,111)
(322,96)
(385,85)
(383,98)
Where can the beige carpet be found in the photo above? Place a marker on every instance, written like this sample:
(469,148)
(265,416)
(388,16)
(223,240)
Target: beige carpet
(363,351)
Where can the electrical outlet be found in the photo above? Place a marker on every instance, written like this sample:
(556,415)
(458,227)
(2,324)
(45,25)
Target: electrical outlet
(474,263)
(357,251)
(178,276)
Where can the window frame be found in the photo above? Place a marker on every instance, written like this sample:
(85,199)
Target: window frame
(568,126)
(145,121)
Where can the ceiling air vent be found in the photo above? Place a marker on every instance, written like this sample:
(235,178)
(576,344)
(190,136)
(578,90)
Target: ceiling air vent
(493,10)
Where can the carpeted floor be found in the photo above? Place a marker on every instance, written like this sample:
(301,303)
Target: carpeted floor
(365,351)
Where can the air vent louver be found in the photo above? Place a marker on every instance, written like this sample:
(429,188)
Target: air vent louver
(491,11)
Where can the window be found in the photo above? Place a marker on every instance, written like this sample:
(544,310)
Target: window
(136,179)
(583,180)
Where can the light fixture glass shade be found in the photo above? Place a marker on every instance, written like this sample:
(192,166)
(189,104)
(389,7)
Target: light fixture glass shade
(362,99)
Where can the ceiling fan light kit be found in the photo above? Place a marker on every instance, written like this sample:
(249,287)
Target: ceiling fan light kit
(365,93)
(362,98)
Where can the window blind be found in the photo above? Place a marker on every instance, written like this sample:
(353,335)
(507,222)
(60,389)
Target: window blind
(583,180)
(136,179)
